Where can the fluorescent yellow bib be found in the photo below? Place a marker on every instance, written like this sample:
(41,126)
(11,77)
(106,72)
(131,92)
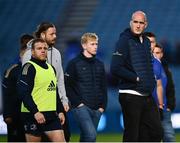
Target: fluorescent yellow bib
(44,91)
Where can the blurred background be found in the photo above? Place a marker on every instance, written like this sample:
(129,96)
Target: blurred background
(107,18)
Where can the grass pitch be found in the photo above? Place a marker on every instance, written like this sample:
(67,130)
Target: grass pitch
(107,137)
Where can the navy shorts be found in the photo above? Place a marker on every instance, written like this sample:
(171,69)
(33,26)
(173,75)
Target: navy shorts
(32,127)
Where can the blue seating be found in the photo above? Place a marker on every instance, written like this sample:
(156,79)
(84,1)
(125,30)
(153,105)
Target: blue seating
(21,16)
(111,17)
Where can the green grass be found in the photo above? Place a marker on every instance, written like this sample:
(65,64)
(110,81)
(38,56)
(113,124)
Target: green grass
(3,138)
(75,138)
(100,138)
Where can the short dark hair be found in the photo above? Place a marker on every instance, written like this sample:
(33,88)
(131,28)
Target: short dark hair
(37,40)
(160,47)
(149,34)
(42,28)
(24,39)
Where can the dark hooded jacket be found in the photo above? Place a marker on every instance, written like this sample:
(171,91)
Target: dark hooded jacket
(132,59)
(170,88)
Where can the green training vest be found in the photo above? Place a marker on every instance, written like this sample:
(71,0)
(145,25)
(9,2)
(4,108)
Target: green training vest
(44,90)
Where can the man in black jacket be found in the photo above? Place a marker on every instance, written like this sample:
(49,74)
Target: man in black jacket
(86,87)
(132,65)
(170,89)
(12,102)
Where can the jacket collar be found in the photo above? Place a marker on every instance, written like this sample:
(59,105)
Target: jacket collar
(92,59)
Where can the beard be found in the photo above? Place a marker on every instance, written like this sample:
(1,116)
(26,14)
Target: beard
(51,43)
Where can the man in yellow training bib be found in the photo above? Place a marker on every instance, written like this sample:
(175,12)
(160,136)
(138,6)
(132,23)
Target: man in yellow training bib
(41,107)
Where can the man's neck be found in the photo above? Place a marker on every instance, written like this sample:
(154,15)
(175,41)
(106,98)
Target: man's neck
(87,54)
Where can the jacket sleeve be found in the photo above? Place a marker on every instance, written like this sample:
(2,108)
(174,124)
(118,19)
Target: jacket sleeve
(59,104)
(170,89)
(25,86)
(60,83)
(119,64)
(9,91)
(71,85)
(104,90)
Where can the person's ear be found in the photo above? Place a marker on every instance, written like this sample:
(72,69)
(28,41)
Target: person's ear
(43,35)
(32,50)
(146,24)
(130,23)
(84,46)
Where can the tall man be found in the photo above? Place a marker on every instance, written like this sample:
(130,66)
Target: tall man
(41,110)
(157,68)
(47,32)
(86,87)
(169,100)
(132,65)
(152,38)
(12,102)
(170,89)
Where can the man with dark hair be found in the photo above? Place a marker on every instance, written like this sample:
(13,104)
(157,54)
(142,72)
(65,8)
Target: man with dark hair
(12,102)
(132,65)
(25,39)
(170,89)
(47,32)
(41,108)
(152,38)
(157,68)
(168,104)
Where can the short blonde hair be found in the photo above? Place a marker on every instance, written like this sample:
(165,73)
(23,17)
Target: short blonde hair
(86,36)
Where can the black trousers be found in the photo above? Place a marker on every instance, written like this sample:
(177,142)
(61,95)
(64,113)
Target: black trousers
(141,118)
(66,129)
(15,132)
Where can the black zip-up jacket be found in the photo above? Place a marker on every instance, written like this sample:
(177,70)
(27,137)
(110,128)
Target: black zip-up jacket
(170,89)
(25,86)
(85,82)
(11,100)
(132,59)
